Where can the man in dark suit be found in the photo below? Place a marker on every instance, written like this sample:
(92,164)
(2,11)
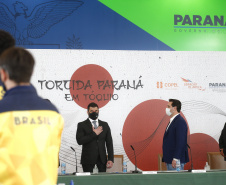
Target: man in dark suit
(222,142)
(93,134)
(175,137)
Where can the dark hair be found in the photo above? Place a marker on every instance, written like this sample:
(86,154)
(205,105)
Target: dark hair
(18,63)
(6,41)
(176,103)
(92,105)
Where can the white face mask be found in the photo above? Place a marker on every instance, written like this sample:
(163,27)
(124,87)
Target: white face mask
(168,112)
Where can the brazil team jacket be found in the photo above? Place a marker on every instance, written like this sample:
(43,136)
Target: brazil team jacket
(30,136)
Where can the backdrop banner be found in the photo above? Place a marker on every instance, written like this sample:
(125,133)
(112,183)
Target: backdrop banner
(132,89)
(129,57)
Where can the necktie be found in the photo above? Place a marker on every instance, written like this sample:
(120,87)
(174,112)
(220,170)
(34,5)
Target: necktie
(95,125)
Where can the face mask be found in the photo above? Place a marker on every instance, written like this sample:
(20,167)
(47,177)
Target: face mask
(93,115)
(168,112)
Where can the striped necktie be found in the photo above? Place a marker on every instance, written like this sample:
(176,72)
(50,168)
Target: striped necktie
(95,125)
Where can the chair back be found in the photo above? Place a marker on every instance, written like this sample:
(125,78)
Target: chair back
(216,160)
(117,166)
(161,165)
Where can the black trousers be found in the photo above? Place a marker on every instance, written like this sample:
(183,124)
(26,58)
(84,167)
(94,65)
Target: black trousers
(89,167)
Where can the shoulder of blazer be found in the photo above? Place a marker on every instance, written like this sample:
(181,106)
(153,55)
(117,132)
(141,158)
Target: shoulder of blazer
(224,127)
(100,121)
(223,132)
(177,118)
(103,123)
(84,122)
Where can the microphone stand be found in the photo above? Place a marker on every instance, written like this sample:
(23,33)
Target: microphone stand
(135,171)
(76,164)
(190,170)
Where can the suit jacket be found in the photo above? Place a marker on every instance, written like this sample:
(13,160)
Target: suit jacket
(222,140)
(93,145)
(175,141)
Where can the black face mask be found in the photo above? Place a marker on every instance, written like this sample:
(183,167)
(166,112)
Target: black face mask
(93,115)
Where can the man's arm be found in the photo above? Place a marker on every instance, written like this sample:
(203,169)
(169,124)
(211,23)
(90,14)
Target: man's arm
(109,145)
(181,139)
(82,138)
(221,139)
(181,136)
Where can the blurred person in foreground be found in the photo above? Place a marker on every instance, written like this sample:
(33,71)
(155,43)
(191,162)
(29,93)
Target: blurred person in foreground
(30,127)
(6,41)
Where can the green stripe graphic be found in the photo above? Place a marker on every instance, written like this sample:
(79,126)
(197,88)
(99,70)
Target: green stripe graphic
(184,25)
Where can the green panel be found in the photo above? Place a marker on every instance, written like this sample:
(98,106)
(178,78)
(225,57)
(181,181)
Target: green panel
(173,178)
(157,18)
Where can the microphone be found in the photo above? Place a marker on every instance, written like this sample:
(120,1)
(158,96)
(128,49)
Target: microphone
(135,171)
(190,170)
(76,164)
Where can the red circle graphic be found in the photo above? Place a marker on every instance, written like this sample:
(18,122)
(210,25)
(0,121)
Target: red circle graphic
(200,144)
(91,83)
(143,129)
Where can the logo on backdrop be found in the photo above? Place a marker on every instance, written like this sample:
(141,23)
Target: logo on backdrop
(175,86)
(218,87)
(192,85)
(24,26)
(198,23)
(167,85)
(91,83)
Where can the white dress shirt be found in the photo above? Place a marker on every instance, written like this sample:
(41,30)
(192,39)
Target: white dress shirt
(91,120)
